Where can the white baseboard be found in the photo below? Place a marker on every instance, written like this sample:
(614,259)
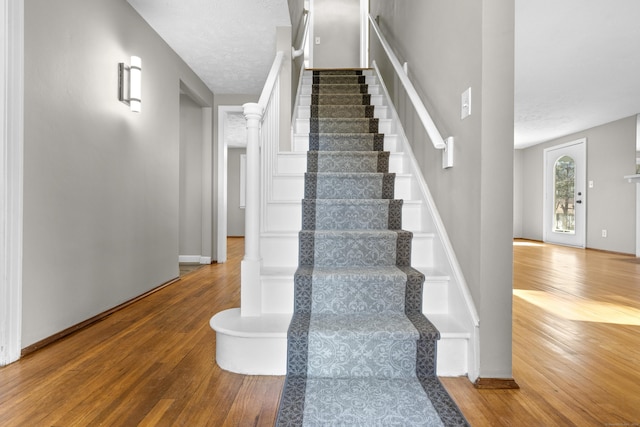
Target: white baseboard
(194,259)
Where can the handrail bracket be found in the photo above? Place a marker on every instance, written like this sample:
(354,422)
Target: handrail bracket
(447,153)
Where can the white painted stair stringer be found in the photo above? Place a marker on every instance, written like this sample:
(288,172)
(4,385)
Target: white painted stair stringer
(458,348)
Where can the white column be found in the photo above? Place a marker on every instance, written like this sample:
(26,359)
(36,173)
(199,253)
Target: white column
(250,289)
(11,177)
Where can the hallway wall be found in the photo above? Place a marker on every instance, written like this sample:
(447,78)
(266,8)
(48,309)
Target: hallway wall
(611,203)
(235,214)
(101,197)
(337,23)
(191,170)
(449,47)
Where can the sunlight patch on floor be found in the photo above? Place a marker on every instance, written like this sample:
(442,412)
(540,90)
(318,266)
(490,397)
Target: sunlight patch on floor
(525,243)
(571,308)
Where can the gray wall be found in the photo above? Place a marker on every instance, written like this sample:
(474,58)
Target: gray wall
(337,23)
(235,215)
(518,193)
(611,201)
(191,156)
(101,184)
(450,46)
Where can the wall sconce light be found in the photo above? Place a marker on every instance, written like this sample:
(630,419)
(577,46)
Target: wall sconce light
(130,84)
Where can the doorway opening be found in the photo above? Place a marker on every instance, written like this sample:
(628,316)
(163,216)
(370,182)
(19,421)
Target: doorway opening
(564,216)
(232,135)
(195,231)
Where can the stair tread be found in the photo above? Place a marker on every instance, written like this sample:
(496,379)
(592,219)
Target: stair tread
(276,325)
(368,401)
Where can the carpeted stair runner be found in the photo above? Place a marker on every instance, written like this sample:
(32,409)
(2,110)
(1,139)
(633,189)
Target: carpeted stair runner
(360,351)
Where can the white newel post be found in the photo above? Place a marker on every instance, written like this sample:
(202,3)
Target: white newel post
(250,289)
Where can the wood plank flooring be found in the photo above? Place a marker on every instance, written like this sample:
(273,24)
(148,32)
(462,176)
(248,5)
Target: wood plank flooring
(576,355)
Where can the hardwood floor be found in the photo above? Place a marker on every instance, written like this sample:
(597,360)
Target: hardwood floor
(576,355)
(576,343)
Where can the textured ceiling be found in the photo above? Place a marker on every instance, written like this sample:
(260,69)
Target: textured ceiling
(577,62)
(577,65)
(230,44)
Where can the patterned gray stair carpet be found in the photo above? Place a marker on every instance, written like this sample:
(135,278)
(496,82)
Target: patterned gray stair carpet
(360,351)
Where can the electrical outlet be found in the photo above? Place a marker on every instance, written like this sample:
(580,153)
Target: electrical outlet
(604,233)
(317,40)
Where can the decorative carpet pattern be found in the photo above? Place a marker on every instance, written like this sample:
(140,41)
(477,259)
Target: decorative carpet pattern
(360,351)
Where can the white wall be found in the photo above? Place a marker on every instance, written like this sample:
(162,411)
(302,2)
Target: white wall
(235,214)
(191,171)
(337,23)
(611,201)
(100,182)
(450,46)
(518,193)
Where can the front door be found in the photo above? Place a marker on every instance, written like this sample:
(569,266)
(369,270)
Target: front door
(564,217)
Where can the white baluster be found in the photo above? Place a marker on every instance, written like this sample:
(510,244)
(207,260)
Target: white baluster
(250,288)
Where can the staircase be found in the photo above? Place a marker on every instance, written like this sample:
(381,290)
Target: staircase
(258,345)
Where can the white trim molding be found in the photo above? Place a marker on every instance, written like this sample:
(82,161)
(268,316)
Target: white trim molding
(221,243)
(11,178)
(194,259)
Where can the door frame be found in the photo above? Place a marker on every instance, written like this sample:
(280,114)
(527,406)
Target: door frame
(206,197)
(581,181)
(223,150)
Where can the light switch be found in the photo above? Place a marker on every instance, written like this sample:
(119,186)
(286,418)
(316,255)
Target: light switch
(465,102)
(317,40)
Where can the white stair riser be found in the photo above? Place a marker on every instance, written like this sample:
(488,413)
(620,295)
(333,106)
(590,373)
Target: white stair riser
(305,100)
(296,163)
(301,143)
(240,354)
(366,72)
(435,297)
(277,294)
(373,90)
(302,126)
(452,357)
(281,250)
(422,251)
(380,112)
(289,188)
(412,217)
(308,80)
(287,217)
(247,355)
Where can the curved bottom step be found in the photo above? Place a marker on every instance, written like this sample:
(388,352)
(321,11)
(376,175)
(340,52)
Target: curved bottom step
(258,345)
(251,345)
